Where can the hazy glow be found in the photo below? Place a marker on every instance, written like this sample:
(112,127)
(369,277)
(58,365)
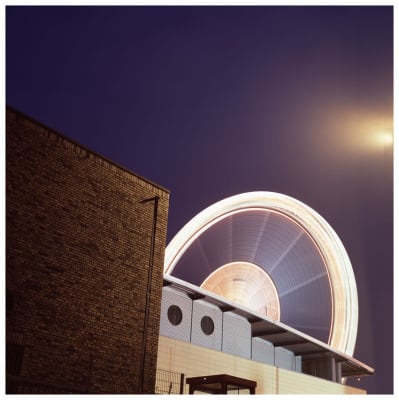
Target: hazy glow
(343,285)
(246,284)
(384,138)
(339,131)
(359,132)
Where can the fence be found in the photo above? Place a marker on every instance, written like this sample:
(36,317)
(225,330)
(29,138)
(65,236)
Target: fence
(22,385)
(168,382)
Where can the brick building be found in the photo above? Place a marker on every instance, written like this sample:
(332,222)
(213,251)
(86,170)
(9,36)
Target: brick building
(84,267)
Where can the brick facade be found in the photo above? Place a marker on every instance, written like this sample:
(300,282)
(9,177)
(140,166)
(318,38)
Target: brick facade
(78,250)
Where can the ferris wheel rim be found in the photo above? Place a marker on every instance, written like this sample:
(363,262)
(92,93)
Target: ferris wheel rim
(342,280)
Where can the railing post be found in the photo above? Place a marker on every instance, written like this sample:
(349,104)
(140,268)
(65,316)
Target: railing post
(88,378)
(181,384)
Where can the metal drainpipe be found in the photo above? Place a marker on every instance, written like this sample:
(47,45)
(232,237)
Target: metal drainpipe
(148,294)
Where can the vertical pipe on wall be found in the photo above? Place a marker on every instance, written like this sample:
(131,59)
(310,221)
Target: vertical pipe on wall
(155,199)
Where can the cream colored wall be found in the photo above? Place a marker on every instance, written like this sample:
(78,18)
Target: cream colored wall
(192,360)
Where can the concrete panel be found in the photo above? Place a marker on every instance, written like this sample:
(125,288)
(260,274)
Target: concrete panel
(262,351)
(204,315)
(172,327)
(236,335)
(284,358)
(298,364)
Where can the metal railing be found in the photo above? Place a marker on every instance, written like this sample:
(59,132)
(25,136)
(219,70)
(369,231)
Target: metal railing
(22,385)
(15,347)
(168,382)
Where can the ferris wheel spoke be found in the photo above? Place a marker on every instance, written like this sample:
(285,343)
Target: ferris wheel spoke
(204,256)
(285,252)
(230,239)
(303,284)
(259,237)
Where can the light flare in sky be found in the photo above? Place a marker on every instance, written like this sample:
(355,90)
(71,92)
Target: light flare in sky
(338,131)
(384,138)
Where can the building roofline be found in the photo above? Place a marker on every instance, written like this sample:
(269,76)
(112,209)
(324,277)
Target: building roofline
(12,110)
(275,332)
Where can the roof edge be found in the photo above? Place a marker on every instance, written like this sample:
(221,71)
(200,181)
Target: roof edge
(17,113)
(360,368)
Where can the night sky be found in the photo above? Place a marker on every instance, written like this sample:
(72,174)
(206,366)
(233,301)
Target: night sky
(214,101)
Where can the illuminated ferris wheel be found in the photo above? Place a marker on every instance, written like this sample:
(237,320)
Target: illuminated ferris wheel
(276,256)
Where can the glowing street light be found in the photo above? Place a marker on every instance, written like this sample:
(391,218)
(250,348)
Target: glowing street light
(384,138)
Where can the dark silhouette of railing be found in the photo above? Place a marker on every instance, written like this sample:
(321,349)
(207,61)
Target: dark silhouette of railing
(17,384)
(22,385)
(15,342)
(168,382)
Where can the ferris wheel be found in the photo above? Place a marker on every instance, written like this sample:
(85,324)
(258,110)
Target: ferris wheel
(276,256)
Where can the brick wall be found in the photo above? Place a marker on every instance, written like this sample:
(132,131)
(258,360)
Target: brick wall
(78,245)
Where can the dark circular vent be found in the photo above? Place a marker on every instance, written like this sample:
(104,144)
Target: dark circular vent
(175,315)
(207,325)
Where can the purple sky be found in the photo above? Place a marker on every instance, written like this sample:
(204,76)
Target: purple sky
(214,101)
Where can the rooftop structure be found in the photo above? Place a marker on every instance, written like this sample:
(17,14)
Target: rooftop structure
(316,358)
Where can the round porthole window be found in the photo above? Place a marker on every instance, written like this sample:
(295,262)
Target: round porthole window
(207,325)
(174,315)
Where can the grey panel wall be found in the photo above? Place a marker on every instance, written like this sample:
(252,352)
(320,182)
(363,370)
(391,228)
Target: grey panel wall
(284,358)
(229,332)
(213,340)
(262,351)
(298,364)
(236,335)
(181,331)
